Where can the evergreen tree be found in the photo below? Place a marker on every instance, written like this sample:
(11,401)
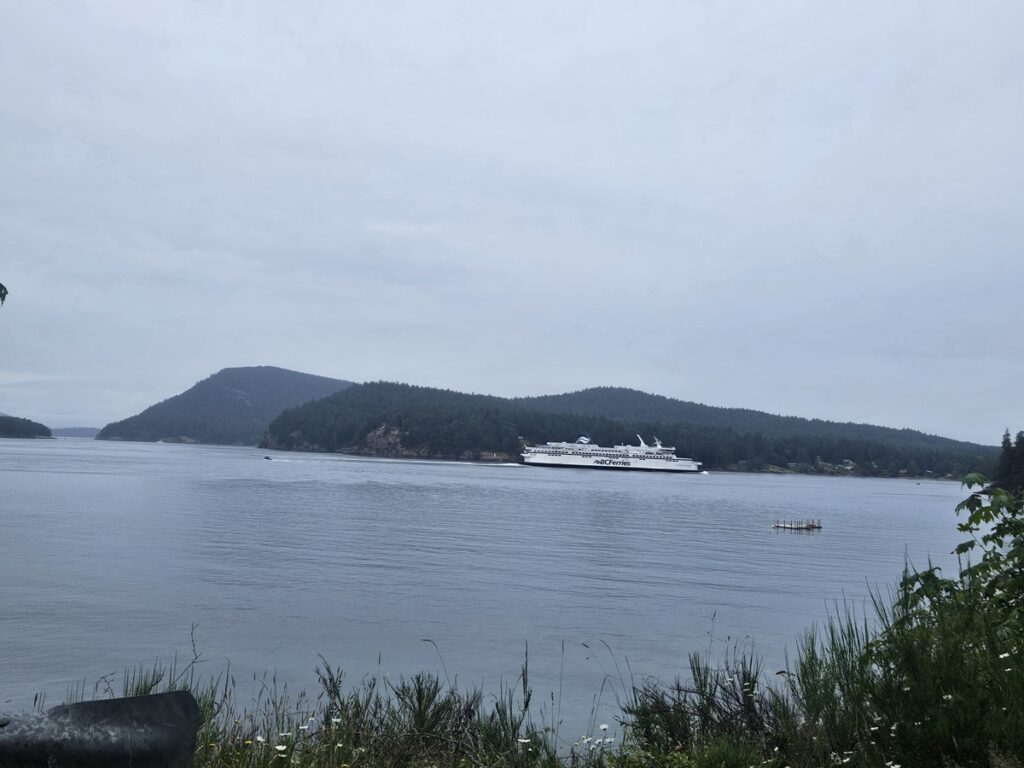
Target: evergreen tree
(1010,472)
(1005,468)
(1016,482)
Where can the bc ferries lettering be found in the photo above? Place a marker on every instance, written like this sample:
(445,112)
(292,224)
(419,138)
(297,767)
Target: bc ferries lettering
(611,462)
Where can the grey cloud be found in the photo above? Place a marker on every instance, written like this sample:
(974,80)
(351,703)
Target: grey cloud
(809,208)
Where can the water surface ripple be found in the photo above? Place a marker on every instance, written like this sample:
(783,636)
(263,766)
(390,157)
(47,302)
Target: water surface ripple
(110,552)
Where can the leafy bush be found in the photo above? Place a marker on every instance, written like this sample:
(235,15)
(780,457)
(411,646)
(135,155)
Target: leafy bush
(935,677)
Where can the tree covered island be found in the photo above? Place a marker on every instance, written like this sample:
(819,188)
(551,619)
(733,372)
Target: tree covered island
(405,421)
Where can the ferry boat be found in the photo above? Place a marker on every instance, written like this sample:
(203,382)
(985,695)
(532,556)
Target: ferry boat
(586,454)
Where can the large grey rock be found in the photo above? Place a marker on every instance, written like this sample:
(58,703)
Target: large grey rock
(157,731)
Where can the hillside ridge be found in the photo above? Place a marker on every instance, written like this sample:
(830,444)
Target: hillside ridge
(626,404)
(230,407)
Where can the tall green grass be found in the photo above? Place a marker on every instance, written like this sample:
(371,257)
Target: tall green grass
(417,721)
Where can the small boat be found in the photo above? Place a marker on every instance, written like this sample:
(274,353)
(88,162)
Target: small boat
(797,525)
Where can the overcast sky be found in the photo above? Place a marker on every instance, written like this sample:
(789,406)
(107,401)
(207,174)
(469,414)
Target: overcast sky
(808,208)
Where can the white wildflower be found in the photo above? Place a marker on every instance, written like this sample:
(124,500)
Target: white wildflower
(604,726)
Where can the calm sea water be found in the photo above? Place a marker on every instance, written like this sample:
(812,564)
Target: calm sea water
(111,552)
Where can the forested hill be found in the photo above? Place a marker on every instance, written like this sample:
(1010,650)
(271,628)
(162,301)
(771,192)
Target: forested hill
(400,420)
(12,426)
(632,405)
(231,407)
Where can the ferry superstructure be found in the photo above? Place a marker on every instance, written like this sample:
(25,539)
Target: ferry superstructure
(586,454)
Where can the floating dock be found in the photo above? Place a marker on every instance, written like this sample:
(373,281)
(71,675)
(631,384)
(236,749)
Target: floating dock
(797,525)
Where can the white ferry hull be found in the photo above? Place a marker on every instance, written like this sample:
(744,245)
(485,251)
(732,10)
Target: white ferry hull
(623,463)
(584,454)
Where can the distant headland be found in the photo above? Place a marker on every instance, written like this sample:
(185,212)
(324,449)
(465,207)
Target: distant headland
(88,432)
(12,426)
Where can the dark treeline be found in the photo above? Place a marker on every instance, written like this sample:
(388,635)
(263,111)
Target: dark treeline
(1010,472)
(12,426)
(400,419)
(630,405)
